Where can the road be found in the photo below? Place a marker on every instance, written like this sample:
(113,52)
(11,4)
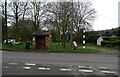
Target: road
(37,63)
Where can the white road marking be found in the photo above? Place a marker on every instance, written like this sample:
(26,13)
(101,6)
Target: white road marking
(13,63)
(27,68)
(85,67)
(6,67)
(43,68)
(30,64)
(63,69)
(103,68)
(108,72)
(84,70)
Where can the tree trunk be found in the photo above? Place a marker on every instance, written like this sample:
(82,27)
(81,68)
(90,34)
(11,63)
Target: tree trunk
(58,38)
(64,40)
(78,40)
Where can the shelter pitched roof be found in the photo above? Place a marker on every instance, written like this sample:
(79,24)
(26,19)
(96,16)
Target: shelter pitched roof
(40,33)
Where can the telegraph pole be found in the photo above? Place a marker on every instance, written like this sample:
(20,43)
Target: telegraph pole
(6,36)
(71,29)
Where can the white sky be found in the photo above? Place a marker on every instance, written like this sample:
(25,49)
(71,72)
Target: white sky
(107,14)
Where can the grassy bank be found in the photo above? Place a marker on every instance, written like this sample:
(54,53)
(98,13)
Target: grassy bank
(56,48)
(8,47)
(90,48)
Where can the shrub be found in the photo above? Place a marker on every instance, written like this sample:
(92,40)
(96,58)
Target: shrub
(110,43)
(92,39)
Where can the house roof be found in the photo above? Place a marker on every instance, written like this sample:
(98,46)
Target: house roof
(40,33)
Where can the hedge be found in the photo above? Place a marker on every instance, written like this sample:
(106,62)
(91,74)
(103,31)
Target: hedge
(92,39)
(110,43)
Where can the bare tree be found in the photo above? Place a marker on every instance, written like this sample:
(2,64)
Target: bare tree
(84,15)
(36,13)
(18,14)
(3,5)
(66,19)
(23,27)
(53,18)
(69,16)
(60,18)
(24,9)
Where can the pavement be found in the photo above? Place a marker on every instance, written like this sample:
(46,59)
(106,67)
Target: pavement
(77,64)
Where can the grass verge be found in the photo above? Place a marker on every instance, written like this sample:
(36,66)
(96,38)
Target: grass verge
(90,48)
(8,47)
(68,49)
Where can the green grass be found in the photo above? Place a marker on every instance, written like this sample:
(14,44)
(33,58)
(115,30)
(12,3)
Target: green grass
(93,46)
(8,47)
(88,49)
(0,46)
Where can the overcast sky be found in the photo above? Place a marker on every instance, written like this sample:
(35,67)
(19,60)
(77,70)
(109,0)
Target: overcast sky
(107,14)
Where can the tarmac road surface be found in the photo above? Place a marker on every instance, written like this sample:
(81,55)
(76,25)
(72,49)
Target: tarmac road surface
(36,63)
